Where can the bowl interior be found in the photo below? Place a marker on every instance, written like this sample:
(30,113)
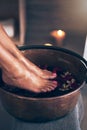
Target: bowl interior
(56,58)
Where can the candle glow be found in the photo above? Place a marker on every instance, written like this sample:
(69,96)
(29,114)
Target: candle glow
(58,35)
(61,34)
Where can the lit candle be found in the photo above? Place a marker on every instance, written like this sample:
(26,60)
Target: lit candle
(58,35)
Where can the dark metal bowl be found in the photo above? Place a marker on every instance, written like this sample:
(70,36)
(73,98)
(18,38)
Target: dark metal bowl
(47,106)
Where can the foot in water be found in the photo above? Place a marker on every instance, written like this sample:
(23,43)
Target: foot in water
(31,82)
(16,73)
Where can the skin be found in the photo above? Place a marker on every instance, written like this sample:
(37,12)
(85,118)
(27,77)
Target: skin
(7,43)
(19,71)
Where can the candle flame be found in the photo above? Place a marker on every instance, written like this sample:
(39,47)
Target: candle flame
(60,33)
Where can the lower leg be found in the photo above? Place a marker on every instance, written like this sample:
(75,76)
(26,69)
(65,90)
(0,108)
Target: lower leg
(7,43)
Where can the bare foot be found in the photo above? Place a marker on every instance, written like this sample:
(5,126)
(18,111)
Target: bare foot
(16,73)
(30,82)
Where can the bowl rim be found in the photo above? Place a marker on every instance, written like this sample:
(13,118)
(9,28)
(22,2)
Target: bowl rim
(57,48)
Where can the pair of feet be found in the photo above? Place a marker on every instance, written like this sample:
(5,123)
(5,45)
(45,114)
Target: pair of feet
(30,80)
(19,71)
